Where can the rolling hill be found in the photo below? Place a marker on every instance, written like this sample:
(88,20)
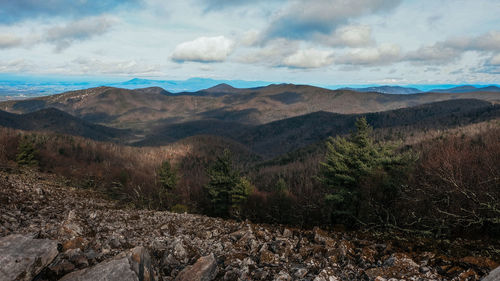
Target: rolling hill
(278,137)
(54,120)
(146,109)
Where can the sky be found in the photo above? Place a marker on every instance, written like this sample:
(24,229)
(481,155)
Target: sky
(344,42)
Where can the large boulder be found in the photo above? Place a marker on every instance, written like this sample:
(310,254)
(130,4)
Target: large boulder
(22,257)
(131,265)
(204,269)
(494,275)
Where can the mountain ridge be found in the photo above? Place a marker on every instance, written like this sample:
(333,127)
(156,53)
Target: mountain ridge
(148,107)
(54,120)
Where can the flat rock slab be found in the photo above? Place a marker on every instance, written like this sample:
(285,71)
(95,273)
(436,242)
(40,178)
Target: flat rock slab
(132,265)
(22,257)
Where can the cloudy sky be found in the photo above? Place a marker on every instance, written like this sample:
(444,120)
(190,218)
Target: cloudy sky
(314,41)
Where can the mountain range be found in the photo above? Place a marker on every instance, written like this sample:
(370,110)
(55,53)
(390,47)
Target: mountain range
(270,120)
(12,87)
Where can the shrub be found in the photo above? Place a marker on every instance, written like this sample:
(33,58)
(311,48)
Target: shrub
(457,185)
(179,208)
(27,155)
(167,179)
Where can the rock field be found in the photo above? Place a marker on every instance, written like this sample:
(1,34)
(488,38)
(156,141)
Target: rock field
(50,231)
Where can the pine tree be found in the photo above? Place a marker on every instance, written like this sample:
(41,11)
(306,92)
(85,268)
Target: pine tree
(348,164)
(167,178)
(27,154)
(239,195)
(226,189)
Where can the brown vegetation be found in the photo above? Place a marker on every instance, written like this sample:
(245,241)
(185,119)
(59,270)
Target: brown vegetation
(454,188)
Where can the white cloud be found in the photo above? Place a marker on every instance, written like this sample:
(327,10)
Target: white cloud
(249,38)
(304,19)
(452,49)
(9,41)
(18,65)
(204,49)
(489,41)
(309,58)
(435,54)
(64,36)
(112,67)
(350,36)
(495,60)
(272,54)
(384,54)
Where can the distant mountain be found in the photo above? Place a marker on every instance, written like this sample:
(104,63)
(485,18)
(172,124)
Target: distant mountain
(189,85)
(30,87)
(54,120)
(467,89)
(395,90)
(221,88)
(269,120)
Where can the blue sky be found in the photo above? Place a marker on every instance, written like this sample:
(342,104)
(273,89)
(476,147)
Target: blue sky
(325,42)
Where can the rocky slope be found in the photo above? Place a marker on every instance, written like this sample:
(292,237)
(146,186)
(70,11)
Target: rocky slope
(86,237)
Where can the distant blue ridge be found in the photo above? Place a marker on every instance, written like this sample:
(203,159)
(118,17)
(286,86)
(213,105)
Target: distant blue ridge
(21,87)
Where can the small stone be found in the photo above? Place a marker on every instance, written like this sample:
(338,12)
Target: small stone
(205,269)
(62,268)
(287,233)
(399,266)
(481,262)
(74,243)
(283,276)
(300,273)
(114,242)
(424,269)
(326,274)
(267,257)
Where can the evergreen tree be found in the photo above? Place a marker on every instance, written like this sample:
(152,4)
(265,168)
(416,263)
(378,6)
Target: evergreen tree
(167,178)
(239,195)
(226,189)
(27,154)
(281,202)
(349,165)
(280,185)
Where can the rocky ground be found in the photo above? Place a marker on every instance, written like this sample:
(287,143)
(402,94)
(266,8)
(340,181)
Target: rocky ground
(51,231)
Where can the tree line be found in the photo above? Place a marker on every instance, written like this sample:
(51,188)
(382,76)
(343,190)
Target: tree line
(443,186)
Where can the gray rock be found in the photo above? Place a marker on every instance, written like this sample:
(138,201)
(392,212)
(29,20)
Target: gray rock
(300,273)
(23,257)
(205,269)
(326,274)
(283,276)
(287,233)
(493,276)
(132,265)
(424,269)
